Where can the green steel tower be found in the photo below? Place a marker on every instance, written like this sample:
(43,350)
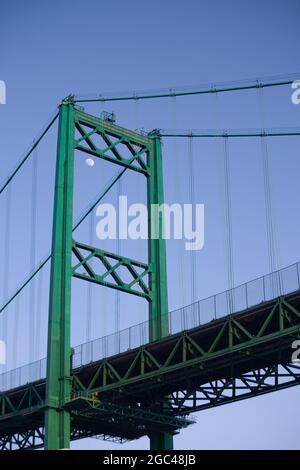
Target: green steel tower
(76,132)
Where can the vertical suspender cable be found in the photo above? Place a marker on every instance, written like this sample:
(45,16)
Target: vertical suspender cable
(118,248)
(192,202)
(39,302)
(216,111)
(226,207)
(228,225)
(16,332)
(268,205)
(32,313)
(102,104)
(6,258)
(136,114)
(89,289)
(270,232)
(103,291)
(178,186)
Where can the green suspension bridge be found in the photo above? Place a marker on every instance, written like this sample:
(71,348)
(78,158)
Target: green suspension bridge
(146,379)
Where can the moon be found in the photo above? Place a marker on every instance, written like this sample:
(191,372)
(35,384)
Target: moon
(90,162)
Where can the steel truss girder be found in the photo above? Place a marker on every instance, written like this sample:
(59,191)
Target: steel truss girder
(116,141)
(236,387)
(112,264)
(162,367)
(29,439)
(13,403)
(91,407)
(32,439)
(230,359)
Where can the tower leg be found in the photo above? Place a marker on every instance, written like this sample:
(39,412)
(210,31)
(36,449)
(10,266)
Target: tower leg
(161,441)
(158,308)
(58,382)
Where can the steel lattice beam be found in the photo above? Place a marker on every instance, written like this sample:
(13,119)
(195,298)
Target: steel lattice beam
(112,264)
(189,352)
(230,359)
(112,143)
(238,387)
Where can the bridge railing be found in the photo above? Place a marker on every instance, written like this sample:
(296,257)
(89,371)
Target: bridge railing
(240,298)
(23,375)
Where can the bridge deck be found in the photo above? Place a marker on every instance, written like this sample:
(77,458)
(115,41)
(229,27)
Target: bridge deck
(231,358)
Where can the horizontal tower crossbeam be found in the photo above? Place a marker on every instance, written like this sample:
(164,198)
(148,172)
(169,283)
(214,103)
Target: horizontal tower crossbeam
(114,270)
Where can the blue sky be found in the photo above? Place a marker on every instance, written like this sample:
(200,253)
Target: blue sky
(50,49)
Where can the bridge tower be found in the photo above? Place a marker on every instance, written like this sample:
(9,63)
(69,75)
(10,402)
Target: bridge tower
(146,160)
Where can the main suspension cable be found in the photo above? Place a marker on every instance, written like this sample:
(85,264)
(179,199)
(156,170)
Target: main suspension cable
(188,91)
(229,133)
(29,152)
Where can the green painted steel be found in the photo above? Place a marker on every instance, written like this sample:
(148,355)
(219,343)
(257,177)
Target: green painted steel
(236,357)
(161,441)
(88,127)
(145,158)
(57,419)
(173,361)
(158,306)
(157,384)
(112,264)
(167,377)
